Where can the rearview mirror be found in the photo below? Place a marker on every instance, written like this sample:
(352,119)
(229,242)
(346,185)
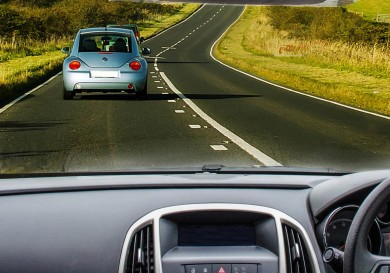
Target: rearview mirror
(146,51)
(65,50)
(249,2)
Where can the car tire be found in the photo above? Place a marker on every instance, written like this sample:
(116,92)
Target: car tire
(143,95)
(68,95)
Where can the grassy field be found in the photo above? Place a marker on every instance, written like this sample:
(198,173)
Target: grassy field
(151,28)
(24,63)
(352,74)
(370,8)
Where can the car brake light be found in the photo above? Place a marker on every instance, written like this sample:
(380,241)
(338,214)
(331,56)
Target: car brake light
(135,65)
(74,65)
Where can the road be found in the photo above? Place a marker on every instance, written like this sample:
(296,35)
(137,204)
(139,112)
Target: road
(221,117)
(254,2)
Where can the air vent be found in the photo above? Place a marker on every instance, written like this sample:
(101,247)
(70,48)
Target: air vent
(297,256)
(141,252)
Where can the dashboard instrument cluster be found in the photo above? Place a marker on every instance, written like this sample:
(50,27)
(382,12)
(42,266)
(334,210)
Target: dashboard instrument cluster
(333,230)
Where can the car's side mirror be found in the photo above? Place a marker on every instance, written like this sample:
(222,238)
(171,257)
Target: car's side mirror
(142,39)
(65,50)
(146,51)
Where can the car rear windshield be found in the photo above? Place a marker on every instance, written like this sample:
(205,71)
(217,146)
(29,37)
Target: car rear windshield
(113,42)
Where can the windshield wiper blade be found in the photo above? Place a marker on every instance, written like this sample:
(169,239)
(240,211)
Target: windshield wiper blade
(212,168)
(271,170)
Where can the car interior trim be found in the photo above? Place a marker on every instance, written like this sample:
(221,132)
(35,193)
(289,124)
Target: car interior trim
(154,217)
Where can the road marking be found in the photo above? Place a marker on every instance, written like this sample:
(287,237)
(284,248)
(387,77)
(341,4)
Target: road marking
(257,154)
(151,57)
(219,147)
(157,81)
(160,87)
(261,157)
(195,126)
(165,93)
(282,87)
(171,100)
(5,107)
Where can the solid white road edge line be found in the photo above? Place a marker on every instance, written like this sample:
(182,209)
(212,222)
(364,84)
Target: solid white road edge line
(282,87)
(26,94)
(257,154)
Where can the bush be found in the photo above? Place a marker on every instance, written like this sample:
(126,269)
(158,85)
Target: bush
(335,24)
(44,18)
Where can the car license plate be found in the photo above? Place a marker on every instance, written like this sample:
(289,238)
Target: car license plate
(104,74)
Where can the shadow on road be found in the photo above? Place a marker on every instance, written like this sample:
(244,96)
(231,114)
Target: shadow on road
(25,154)
(219,97)
(151,61)
(162,97)
(15,126)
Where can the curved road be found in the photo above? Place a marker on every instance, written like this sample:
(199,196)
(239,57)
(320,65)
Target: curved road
(219,117)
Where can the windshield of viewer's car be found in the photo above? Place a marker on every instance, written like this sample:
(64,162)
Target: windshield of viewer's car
(302,84)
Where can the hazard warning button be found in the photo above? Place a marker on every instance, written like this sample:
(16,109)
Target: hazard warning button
(221,268)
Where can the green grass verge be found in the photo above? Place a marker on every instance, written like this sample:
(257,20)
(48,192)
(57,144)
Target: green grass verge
(19,73)
(245,47)
(153,27)
(370,8)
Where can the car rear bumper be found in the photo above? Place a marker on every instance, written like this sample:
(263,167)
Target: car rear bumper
(83,82)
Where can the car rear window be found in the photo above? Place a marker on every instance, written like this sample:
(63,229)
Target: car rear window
(113,42)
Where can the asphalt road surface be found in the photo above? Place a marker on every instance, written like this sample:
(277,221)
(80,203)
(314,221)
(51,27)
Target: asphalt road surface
(253,2)
(198,112)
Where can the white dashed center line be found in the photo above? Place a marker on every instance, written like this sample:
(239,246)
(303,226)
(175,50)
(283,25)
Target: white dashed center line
(218,147)
(195,126)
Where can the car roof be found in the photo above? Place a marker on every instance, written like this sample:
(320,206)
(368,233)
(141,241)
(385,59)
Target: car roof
(105,29)
(123,26)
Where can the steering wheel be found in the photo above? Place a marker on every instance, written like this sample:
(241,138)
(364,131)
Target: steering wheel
(357,258)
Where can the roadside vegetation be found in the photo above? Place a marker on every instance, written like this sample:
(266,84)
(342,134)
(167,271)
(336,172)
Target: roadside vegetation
(326,52)
(34,31)
(372,9)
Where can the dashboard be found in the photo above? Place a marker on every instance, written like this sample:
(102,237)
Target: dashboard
(183,222)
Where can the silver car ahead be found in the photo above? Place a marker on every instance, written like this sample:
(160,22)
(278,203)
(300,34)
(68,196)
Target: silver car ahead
(105,60)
